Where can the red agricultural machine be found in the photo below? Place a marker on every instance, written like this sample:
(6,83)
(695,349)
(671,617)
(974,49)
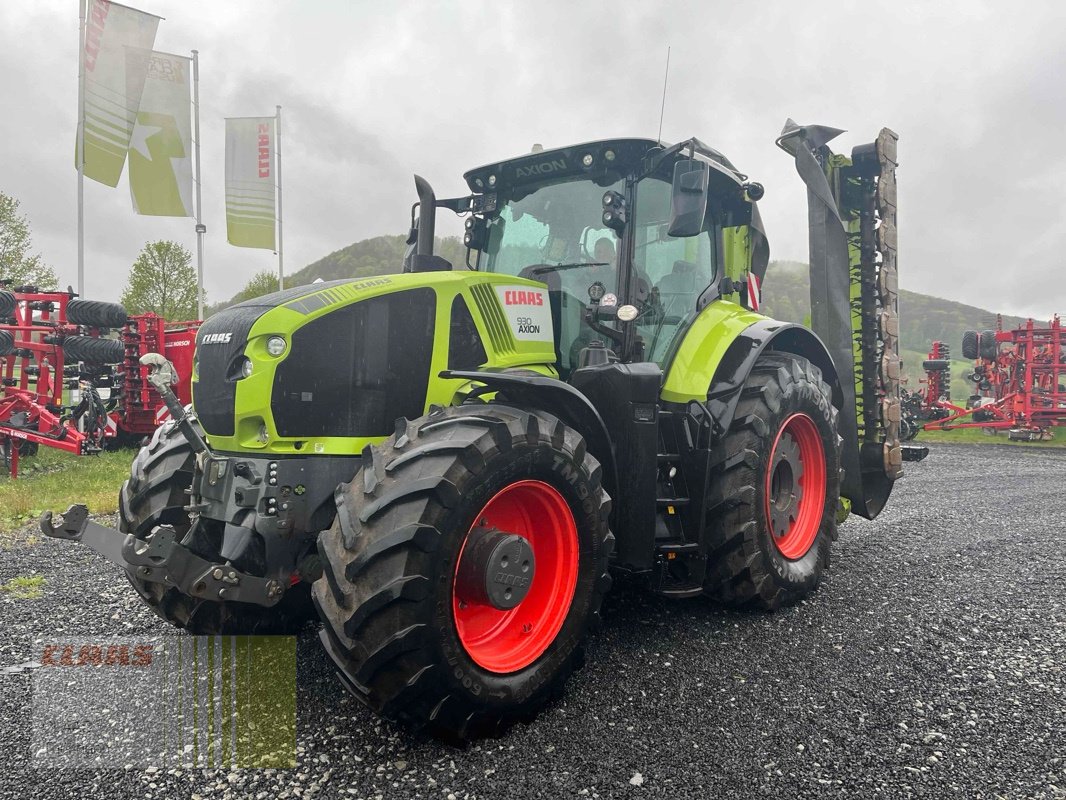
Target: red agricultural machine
(1018,378)
(71,372)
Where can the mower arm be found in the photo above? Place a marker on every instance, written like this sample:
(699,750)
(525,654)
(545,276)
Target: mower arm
(855,300)
(161,558)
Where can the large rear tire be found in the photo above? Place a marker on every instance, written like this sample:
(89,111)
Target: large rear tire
(8,301)
(411,594)
(971,344)
(155,495)
(773,502)
(96,314)
(7,342)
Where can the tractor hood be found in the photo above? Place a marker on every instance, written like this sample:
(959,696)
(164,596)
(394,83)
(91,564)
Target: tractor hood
(328,368)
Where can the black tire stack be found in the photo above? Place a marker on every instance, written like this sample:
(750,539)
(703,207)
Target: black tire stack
(7,305)
(96,314)
(7,342)
(93,350)
(989,348)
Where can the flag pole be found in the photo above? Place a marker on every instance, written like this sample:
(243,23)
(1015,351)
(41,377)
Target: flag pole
(81,145)
(277,151)
(201,229)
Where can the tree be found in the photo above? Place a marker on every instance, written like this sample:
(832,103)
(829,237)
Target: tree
(16,262)
(162,280)
(261,283)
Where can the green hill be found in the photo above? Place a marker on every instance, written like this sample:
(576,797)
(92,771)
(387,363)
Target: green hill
(378,256)
(923,318)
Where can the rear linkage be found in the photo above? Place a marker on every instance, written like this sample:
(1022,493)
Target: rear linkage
(162,558)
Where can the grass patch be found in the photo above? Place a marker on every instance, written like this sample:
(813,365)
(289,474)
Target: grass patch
(23,587)
(978,436)
(53,479)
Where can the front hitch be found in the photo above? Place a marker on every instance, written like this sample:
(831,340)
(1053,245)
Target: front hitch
(161,558)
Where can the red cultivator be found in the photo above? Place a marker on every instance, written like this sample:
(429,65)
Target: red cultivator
(1018,379)
(52,343)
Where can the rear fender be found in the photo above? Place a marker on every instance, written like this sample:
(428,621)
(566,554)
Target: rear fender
(736,365)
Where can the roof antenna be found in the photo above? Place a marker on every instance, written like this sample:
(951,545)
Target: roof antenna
(662,110)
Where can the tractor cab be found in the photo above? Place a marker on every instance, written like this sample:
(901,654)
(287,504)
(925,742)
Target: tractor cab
(609,224)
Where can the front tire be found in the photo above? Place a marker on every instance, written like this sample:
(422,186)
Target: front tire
(774,499)
(416,621)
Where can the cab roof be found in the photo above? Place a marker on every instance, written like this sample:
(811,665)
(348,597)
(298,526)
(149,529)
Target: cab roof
(594,158)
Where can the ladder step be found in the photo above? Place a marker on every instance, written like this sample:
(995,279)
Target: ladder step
(665,458)
(672,501)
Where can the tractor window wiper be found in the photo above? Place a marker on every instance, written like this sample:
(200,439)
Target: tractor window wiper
(540,269)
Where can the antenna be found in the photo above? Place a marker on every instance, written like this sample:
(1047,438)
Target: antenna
(662,110)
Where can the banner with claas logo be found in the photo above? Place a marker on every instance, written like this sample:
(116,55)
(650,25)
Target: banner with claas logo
(117,41)
(250,176)
(161,148)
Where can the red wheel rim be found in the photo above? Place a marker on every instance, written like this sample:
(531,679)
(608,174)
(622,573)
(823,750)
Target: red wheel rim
(795,487)
(509,640)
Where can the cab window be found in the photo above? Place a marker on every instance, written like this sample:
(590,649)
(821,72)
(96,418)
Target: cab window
(677,270)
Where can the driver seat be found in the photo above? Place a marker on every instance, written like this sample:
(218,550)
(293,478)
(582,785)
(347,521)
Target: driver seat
(681,280)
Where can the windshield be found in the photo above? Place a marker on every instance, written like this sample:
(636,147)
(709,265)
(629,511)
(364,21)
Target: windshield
(558,224)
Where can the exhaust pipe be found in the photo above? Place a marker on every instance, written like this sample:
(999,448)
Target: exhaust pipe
(427,216)
(421,258)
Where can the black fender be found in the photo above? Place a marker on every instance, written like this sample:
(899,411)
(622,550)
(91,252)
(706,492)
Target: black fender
(739,359)
(558,398)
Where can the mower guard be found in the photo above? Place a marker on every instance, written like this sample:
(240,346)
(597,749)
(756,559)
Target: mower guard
(161,558)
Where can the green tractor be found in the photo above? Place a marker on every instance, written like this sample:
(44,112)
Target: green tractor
(447,465)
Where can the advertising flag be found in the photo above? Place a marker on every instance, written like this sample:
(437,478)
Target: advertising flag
(118,40)
(250,162)
(161,148)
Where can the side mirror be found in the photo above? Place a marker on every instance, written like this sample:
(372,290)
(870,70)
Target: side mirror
(688,198)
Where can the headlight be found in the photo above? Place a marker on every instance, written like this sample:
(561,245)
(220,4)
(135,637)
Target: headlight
(275,345)
(246,368)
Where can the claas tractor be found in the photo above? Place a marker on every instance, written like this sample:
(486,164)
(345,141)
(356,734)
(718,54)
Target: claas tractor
(447,466)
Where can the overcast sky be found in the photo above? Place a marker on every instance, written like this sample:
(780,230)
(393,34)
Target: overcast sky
(372,92)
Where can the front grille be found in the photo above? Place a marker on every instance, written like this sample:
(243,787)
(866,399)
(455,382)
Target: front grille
(355,370)
(215,390)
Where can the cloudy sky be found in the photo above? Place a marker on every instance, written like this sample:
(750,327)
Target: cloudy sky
(373,91)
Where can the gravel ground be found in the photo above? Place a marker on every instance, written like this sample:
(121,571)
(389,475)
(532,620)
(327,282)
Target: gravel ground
(930,664)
